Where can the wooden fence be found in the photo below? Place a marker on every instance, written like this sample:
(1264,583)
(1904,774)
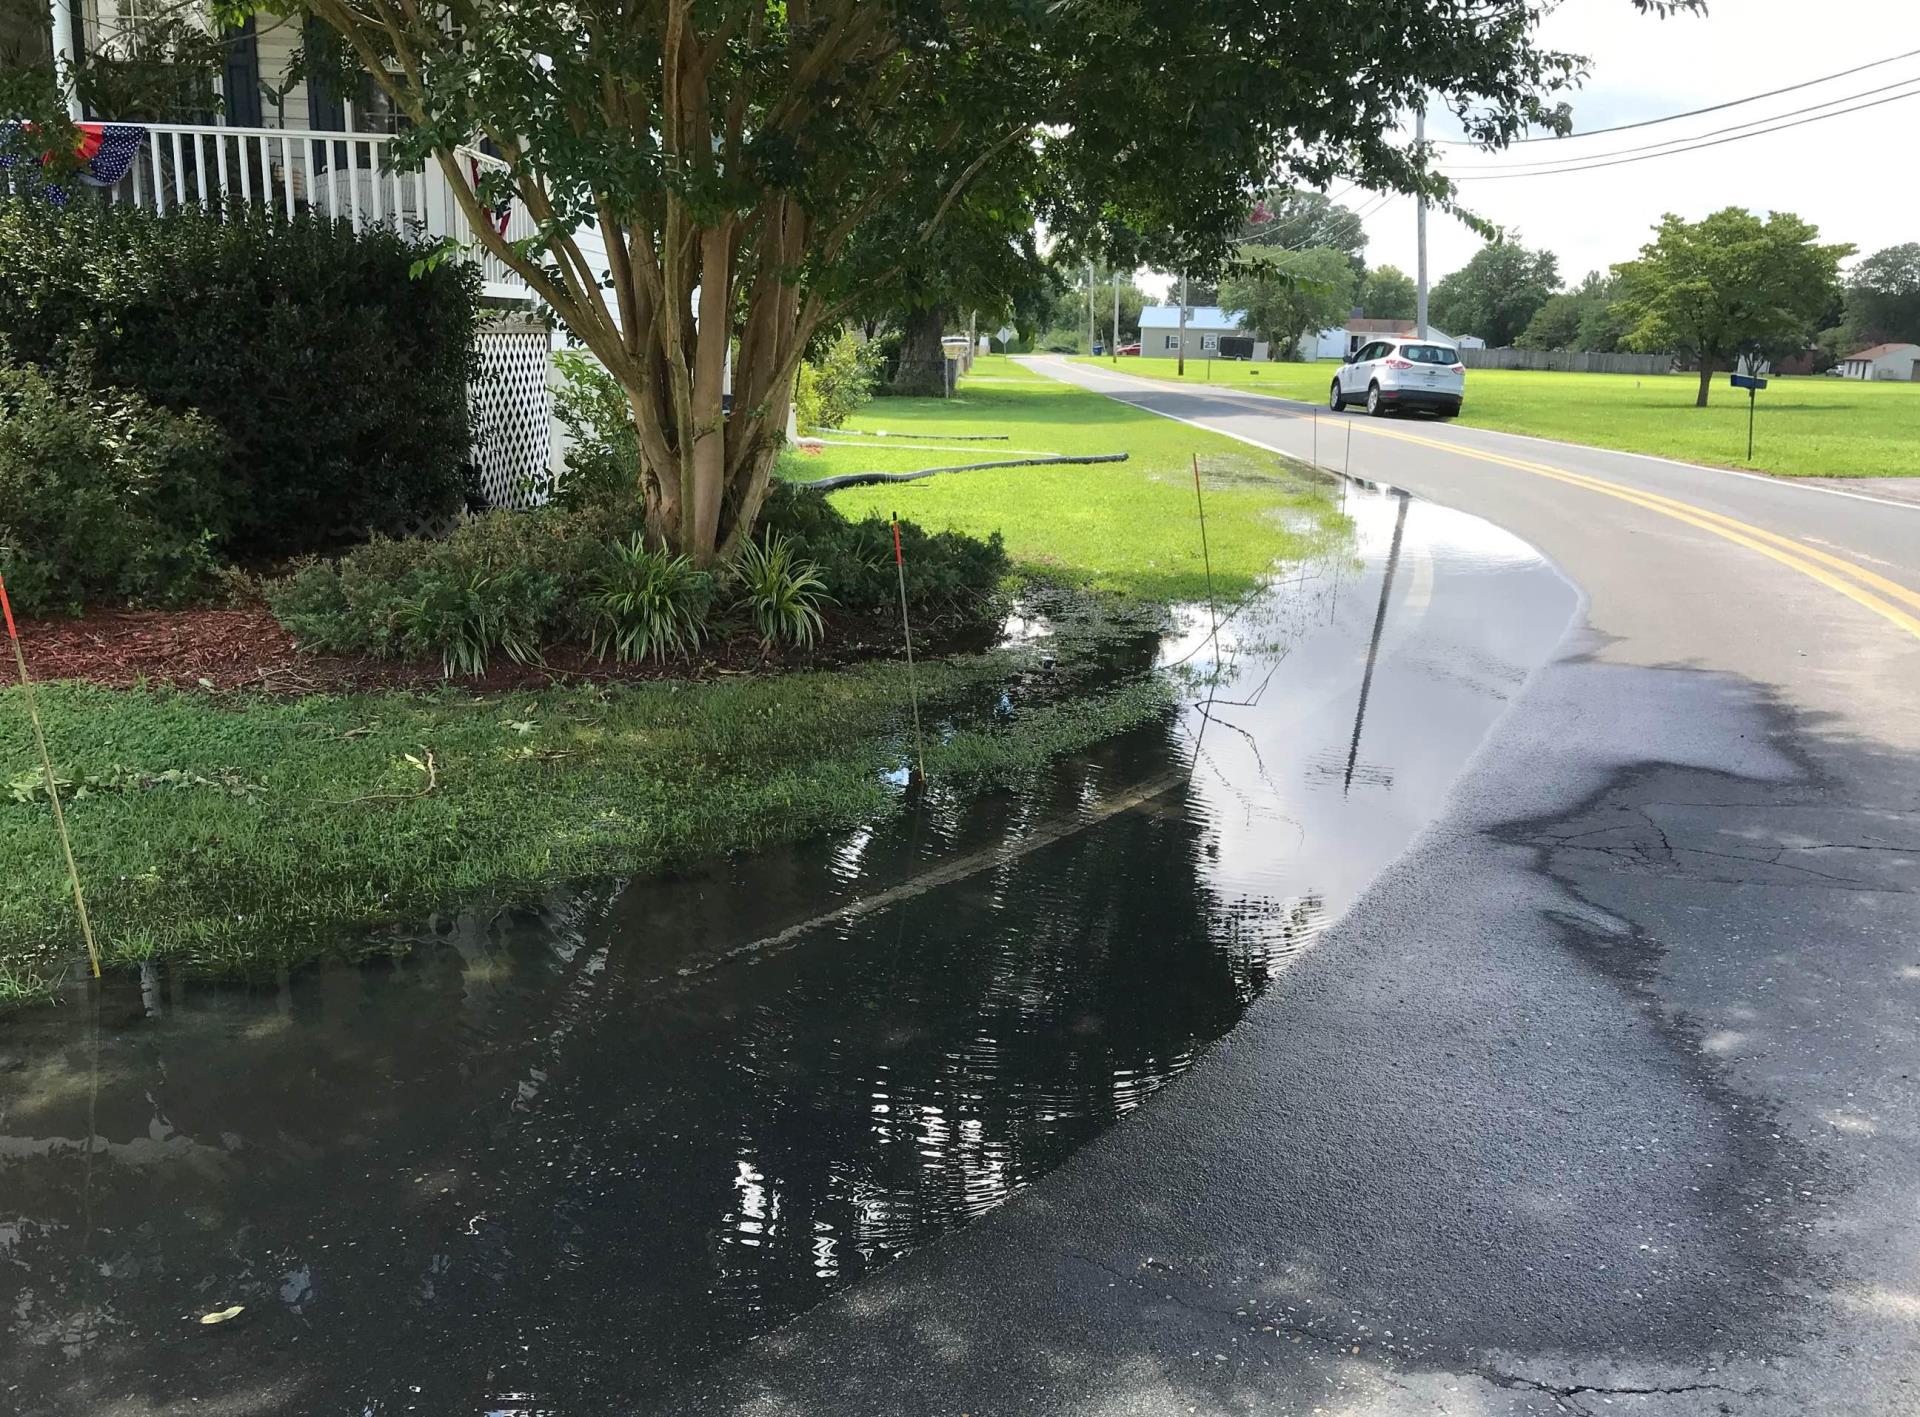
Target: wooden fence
(1569,360)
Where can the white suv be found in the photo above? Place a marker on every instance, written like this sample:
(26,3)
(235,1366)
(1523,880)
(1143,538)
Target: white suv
(1401,373)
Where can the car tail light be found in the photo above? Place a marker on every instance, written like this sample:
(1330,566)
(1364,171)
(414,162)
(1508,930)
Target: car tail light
(1399,364)
(1457,369)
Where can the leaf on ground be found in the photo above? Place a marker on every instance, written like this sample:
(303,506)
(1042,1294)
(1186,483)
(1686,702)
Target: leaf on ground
(220,1316)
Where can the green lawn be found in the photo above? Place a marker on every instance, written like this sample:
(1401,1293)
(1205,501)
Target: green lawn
(1807,427)
(1128,527)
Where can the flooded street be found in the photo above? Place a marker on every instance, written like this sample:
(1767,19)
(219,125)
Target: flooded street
(549,1159)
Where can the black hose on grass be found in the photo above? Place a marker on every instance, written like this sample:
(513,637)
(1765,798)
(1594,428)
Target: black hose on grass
(865,479)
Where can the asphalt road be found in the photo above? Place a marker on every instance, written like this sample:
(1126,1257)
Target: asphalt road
(1602,1099)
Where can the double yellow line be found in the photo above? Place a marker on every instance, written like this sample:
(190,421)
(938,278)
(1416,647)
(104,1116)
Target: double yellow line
(1875,592)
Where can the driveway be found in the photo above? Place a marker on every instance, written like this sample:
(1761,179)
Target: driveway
(1602,1099)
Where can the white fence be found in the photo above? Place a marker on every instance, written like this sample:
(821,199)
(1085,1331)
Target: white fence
(348,176)
(1572,361)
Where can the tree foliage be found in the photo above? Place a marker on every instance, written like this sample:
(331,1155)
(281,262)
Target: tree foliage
(1730,285)
(1883,297)
(1287,294)
(1583,318)
(783,161)
(1298,221)
(1388,293)
(1496,294)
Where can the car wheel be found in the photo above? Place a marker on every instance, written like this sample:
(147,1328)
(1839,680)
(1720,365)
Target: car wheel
(1374,405)
(1336,400)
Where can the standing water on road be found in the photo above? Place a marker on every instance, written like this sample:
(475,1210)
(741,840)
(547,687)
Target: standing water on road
(550,1158)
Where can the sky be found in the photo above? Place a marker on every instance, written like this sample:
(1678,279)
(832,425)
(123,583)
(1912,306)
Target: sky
(1853,176)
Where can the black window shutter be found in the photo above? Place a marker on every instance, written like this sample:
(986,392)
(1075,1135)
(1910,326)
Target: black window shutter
(243,76)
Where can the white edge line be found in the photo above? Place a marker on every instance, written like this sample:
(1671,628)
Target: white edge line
(1796,483)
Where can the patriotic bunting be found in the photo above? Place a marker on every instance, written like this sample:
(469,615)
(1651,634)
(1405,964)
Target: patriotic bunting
(106,151)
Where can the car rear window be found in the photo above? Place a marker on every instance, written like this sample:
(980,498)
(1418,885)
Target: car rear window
(1430,353)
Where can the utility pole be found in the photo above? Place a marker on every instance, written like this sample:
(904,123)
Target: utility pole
(1420,219)
(1089,307)
(1182,371)
(1114,350)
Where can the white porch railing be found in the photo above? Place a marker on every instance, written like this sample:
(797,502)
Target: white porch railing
(348,176)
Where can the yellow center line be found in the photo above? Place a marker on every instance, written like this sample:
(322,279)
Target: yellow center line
(1807,560)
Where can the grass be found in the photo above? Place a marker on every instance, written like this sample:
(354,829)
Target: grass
(1807,427)
(232,832)
(1130,528)
(235,832)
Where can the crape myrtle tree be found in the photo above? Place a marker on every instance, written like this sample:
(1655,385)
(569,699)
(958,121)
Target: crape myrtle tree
(759,168)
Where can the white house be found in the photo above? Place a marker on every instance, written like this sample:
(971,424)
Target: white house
(1206,326)
(1899,362)
(1343,340)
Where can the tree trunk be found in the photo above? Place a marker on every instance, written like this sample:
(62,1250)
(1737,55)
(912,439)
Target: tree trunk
(1706,380)
(923,363)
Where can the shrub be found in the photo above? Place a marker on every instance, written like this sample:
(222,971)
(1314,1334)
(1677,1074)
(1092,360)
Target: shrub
(780,592)
(467,616)
(507,582)
(952,578)
(831,389)
(102,496)
(603,451)
(647,604)
(339,379)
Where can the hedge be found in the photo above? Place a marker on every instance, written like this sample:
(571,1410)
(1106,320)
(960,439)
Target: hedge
(338,377)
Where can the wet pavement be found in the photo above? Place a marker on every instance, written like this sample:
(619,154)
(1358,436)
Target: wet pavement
(557,1159)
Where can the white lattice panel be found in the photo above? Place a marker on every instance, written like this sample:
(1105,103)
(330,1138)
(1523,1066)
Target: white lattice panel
(512,409)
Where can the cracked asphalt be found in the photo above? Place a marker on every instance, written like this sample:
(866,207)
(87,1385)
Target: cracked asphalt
(1602,1098)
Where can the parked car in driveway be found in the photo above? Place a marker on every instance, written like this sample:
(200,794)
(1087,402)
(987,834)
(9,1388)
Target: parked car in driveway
(1401,372)
(1133,348)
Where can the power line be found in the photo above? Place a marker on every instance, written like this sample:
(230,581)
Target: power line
(1675,152)
(1696,112)
(1692,137)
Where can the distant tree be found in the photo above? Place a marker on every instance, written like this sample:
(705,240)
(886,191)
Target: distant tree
(972,262)
(1883,297)
(1555,325)
(1299,221)
(1388,293)
(1287,294)
(1604,323)
(1495,294)
(1581,318)
(1728,286)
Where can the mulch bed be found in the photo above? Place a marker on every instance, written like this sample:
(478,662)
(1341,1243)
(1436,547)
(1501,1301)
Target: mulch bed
(247,650)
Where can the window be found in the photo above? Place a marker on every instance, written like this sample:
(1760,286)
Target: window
(1209,343)
(1429,354)
(1173,341)
(1370,351)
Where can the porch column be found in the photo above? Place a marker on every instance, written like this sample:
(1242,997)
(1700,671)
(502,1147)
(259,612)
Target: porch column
(66,49)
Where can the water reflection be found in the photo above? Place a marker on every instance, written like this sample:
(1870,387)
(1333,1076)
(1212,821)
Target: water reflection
(554,1153)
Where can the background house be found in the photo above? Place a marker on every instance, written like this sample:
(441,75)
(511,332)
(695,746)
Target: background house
(1343,340)
(1206,325)
(1884,361)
